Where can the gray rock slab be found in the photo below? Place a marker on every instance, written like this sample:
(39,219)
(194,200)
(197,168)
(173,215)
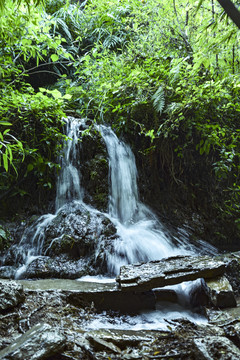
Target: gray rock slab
(104,296)
(169,271)
(100,344)
(215,347)
(38,343)
(221,293)
(125,338)
(11,294)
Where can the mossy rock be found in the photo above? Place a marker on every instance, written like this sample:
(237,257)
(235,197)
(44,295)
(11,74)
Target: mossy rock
(5,238)
(94,170)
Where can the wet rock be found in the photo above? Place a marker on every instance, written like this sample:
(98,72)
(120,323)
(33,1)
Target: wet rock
(58,267)
(11,294)
(168,271)
(214,347)
(114,300)
(199,295)
(126,338)
(165,295)
(94,169)
(221,292)
(232,332)
(80,232)
(5,238)
(232,261)
(99,295)
(7,272)
(38,343)
(100,344)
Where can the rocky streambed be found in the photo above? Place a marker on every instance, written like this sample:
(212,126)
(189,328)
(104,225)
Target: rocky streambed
(57,319)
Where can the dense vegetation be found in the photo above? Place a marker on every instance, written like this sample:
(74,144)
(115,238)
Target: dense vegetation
(163,74)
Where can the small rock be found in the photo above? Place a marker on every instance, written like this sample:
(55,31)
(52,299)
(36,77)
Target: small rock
(38,343)
(221,292)
(11,294)
(100,345)
(214,347)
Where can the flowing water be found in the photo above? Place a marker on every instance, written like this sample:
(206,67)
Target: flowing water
(69,180)
(141,236)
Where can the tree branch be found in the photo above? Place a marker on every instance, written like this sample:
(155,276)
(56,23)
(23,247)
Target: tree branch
(231,11)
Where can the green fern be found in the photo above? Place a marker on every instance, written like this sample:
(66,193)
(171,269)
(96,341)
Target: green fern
(174,107)
(159,99)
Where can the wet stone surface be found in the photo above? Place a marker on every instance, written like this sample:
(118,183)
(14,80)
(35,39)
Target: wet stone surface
(40,342)
(221,292)
(168,271)
(11,294)
(47,306)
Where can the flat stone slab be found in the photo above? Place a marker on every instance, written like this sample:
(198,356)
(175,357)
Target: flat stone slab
(103,296)
(169,271)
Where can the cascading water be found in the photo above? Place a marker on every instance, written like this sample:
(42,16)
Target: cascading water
(68,183)
(143,236)
(68,189)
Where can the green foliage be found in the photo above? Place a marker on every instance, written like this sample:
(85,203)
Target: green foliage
(165,72)
(159,99)
(31,122)
(5,238)
(173,78)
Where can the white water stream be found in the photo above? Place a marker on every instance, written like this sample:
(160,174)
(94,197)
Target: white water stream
(142,236)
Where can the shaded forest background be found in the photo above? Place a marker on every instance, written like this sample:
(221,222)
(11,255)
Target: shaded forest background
(164,75)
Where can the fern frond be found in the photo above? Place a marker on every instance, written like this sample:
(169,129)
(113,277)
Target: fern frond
(65,30)
(159,99)
(173,107)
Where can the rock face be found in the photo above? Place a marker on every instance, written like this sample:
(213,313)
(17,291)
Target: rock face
(77,230)
(221,292)
(37,343)
(49,301)
(75,244)
(104,296)
(70,244)
(11,294)
(94,169)
(168,271)
(58,267)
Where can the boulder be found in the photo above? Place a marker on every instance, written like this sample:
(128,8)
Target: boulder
(77,230)
(169,271)
(37,343)
(221,293)
(60,267)
(215,347)
(11,294)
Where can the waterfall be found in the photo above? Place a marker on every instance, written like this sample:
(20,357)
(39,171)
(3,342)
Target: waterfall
(68,183)
(143,237)
(123,199)
(68,188)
